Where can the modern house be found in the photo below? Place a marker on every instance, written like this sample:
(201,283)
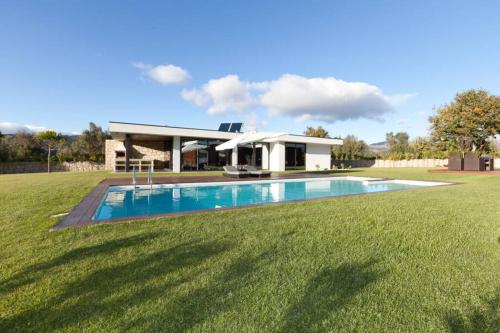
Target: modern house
(191,149)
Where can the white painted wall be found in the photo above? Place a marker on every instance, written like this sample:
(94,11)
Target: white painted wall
(318,155)
(277,156)
(176,154)
(265,156)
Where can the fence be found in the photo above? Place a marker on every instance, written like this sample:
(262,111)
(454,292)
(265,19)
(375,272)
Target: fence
(417,163)
(30,167)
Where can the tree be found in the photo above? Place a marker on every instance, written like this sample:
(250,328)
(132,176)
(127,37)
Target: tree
(4,152)
(352,149)
(90,144)
(398,143)
(48,139)
(22,147)
(318,132)
(469,122)
(426,148)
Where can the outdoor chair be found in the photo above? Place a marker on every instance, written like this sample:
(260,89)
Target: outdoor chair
(258,173)
(231,171)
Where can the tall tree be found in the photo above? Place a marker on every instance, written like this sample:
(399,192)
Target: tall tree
(318,132)
(48,139)
(398,143)
(90,144)
(351,149)
(469,122)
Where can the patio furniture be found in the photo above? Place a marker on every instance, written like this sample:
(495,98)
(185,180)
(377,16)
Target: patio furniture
(455,162)
(231,171)
(472,162)
(490,163)
(258,173)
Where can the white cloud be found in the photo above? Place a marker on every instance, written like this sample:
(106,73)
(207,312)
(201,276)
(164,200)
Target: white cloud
(164,74)
(227,94)
(325,99)
(254,122)
(12,128)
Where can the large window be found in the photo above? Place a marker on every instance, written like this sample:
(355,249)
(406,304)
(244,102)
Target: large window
(245,155)
(295,156)
(200,154)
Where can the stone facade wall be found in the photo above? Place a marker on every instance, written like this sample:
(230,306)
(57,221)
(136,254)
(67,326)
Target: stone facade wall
(109,161)
(417,163)
(159,151)
(31,167)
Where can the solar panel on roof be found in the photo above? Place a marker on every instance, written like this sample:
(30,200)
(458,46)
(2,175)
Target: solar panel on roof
(224,127)
(235,127)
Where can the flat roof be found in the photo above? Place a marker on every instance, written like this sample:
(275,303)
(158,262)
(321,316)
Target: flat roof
(119,129)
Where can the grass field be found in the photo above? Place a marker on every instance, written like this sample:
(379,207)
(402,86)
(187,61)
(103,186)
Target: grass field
(420,260)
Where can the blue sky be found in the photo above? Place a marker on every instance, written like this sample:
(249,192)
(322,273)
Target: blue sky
(360,67)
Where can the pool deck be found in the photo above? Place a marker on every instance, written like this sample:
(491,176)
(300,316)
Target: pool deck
(82,214)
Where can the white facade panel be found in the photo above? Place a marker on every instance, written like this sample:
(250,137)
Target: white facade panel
(176,154)
(318,157)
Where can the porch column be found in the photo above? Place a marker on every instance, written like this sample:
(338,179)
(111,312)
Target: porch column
(254,154)
(176,154)
(234,156)
(265,156)
(277,156)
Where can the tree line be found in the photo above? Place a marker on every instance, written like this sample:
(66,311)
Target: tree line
(469,123)
(52,146)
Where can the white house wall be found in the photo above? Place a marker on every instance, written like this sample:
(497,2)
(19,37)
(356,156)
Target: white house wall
(318,157)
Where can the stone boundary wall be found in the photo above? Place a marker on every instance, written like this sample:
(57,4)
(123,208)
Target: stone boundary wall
(417,163)
(31,167)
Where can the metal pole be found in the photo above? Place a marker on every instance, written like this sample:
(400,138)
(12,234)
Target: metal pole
(133,176)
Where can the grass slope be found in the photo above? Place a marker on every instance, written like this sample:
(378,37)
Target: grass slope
(420,260)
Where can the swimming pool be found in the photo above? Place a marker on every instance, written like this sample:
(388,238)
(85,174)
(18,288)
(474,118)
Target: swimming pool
(130,201)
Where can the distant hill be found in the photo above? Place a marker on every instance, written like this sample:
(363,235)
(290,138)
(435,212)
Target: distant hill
(378,147)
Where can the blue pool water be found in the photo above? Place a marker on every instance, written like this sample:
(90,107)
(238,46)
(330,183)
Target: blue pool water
(125,201)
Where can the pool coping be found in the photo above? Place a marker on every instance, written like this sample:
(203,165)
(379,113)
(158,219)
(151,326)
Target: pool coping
(82,214)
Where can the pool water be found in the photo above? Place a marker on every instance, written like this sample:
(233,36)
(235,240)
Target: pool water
(127,201)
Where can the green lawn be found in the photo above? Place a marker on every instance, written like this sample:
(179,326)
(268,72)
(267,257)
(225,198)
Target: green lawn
(420,260)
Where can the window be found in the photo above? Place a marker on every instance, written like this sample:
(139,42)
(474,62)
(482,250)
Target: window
(295,156)
(200,154)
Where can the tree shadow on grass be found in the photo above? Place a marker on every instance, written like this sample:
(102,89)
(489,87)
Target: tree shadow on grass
(32,273)
(205,302)
(326,293)
(485,318)
(108,292)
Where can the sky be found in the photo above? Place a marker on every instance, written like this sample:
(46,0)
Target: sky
(354,67)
